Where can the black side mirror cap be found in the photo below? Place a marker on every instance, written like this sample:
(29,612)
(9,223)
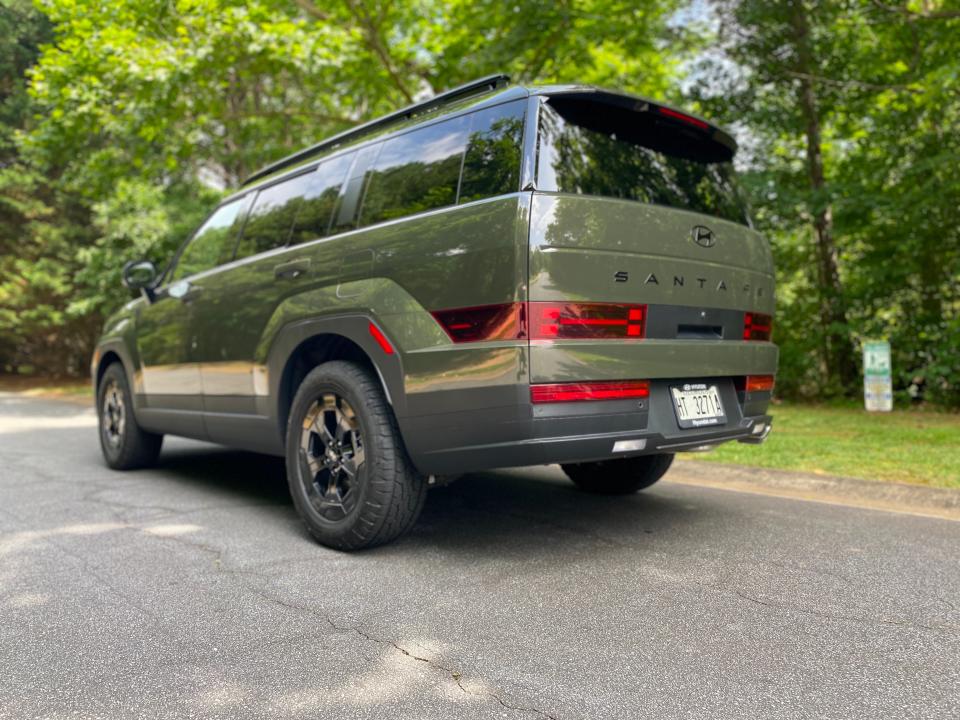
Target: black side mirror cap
(140,275)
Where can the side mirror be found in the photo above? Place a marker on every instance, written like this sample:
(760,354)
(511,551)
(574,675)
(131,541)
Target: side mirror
(140,275)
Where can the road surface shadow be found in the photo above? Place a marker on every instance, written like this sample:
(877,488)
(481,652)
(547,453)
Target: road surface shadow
(536,509)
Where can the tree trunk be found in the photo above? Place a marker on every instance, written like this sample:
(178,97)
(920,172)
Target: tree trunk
(839,360)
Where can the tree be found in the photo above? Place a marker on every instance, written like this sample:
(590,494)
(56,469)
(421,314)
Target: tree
(838,103)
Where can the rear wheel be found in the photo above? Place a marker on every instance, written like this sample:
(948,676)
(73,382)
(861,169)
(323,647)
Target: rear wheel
(619,477)
(124,443)
(349,474)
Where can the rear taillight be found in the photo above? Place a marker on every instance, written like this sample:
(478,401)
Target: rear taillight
(606,390)
(544,321)
(757,326)
(755,383)
(586,321)
(486,322)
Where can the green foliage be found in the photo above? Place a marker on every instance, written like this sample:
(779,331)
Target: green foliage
(884,79)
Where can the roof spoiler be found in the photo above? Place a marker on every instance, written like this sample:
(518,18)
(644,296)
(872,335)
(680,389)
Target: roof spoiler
(484,84)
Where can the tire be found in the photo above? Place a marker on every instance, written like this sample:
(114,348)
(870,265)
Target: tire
(346,503)
(619,477)
(125,445)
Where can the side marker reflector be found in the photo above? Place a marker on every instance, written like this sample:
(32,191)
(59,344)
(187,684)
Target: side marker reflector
(381,339)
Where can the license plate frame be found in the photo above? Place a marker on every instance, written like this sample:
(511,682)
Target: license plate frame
(697,405)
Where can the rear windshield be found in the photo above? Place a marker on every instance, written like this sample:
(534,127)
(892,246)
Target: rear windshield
(588,147)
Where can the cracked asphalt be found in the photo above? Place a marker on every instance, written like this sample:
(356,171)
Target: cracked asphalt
(191,591)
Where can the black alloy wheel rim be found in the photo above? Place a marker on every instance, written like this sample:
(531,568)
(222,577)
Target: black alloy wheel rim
(113,415)
(331,457)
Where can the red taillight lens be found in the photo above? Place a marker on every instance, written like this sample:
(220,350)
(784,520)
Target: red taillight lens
(586,321)
(607,390)
(757,326)
(486,322)
(758,383)
(544,321)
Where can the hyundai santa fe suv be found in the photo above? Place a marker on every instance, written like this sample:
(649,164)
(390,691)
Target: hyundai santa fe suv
(498,276)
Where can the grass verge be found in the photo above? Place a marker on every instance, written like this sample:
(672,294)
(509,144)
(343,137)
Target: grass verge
(909,446)
(67,389)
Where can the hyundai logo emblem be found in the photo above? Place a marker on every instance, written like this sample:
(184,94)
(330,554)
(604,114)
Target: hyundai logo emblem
(703,236)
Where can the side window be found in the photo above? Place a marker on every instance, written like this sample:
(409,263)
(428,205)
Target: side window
(213,242)
(271,218)
(321,189)
(492,164)
(346,218)
(415,172)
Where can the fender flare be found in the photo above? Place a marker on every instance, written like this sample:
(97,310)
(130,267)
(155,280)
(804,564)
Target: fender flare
(354,327)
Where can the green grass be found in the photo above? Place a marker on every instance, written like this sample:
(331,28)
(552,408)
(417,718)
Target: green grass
(903,446)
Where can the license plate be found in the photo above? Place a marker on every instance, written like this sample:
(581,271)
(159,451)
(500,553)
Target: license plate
(697,405)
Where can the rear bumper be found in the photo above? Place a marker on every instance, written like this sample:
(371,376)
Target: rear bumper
(520,433)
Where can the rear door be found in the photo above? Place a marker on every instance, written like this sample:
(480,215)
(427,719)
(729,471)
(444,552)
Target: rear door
(642,261)
(275,259)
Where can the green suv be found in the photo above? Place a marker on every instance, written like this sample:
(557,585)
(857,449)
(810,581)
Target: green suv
(498,276)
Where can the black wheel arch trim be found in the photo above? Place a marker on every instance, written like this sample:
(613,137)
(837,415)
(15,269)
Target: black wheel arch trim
(355,328)
(103,353)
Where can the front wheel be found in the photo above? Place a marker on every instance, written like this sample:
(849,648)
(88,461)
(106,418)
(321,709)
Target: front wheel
(349,474)
(619,477)
(124,443)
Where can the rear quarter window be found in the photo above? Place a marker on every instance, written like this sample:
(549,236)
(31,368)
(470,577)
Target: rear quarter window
(491,165)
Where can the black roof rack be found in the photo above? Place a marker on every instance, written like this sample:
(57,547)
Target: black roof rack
(490,82)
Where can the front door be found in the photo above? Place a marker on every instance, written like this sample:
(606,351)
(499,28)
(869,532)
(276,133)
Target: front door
(166,339)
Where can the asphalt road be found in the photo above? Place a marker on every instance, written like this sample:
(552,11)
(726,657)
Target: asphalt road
(191,590)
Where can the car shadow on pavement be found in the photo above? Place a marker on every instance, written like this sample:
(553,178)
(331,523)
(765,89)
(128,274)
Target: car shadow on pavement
(530,510)
(260,479)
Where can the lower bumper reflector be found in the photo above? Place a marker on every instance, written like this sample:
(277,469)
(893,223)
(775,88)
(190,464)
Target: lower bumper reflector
(629,445)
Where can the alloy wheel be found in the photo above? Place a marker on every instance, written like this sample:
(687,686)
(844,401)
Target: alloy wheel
(331,456)
(113,416)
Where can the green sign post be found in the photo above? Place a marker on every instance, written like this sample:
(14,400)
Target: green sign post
(877,381)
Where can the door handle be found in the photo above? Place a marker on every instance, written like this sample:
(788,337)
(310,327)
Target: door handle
(291,270)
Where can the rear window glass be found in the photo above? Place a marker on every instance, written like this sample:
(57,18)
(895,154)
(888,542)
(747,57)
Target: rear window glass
(492,163)
(271,218)
(591,148)
(417,171)
(320,193)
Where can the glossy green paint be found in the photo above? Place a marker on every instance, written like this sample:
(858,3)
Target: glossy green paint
(578,245)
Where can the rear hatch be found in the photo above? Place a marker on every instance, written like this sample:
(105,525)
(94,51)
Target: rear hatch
(636,206)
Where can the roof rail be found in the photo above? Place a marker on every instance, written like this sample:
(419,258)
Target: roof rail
(490,82)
